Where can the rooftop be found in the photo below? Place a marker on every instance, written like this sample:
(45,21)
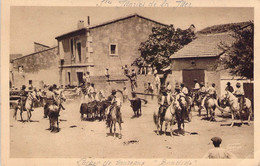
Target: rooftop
(83,30)
(204,46)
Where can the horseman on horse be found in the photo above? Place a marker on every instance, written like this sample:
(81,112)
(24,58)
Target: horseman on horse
(112,100)
(50,100)
(240,94)
(210,93)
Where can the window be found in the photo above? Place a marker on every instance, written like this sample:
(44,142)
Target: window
(113,49)
(71,46)
(79,51)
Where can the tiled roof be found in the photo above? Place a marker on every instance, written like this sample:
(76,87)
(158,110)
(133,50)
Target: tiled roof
(83,30)
(204,46)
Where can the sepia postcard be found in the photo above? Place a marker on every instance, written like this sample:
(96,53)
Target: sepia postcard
(130,83)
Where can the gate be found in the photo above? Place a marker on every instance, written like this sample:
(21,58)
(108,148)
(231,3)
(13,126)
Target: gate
(188,77)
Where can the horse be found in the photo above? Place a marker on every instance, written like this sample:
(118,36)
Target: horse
(210,105)
(54,112)
(114,117)
(182,111)
(101,104)
(27,107)
(136,105)
(235,107)
(169,118)
(197,99)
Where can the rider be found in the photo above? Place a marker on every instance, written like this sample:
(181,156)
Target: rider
(210,93)
(23,95)
(50,99)
(167,92)
(202,92)
(112,100)
(240,94)
(185,91)
(196,88)
(229,87)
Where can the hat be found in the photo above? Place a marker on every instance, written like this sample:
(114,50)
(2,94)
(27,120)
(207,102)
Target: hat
(238,84)
(23,87)
(201,83)
(217,140)
(182,84)
(113,91)
(195,80)
(177,86)
(228,83)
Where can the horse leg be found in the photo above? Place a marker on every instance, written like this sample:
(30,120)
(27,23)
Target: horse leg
(114,129)
(249,116)
(58,128)
(241,119)
(120,128)
(82,116)
(15,113)
(232,117)
(21,114)
(166,124)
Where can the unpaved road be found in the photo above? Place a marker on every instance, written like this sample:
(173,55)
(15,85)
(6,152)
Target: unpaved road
(91,139)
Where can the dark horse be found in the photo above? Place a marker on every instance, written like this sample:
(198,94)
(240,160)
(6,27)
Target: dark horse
(89,108)
(54,112)
(136,105)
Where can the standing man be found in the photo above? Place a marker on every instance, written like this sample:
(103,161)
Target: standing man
(133,79)
(150,89)
(217,152)
(240,94)
(125,94)
(107,73)
(229,87)
(157,83)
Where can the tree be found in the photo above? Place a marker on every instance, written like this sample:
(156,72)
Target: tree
(239,57)
(161,44)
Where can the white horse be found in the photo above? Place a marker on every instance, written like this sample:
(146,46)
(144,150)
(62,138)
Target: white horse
(235,107)
(27,107)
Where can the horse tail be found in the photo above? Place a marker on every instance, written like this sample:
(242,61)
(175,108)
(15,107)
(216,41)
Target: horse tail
(145,101)
(155,118)
(217,105)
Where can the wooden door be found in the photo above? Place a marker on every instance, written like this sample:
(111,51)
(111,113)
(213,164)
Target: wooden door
(188,77)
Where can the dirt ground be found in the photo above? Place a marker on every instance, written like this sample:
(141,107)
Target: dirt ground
(91,139)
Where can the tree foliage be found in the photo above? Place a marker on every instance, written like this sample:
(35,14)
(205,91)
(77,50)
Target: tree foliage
(239,57)
(161,44)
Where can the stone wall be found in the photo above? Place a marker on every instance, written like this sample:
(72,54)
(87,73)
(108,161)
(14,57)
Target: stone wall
(127,35)
(39,67)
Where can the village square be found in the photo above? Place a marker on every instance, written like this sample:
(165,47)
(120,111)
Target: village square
(135,87)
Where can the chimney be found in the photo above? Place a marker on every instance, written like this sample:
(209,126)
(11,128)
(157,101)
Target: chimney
(88,20)
(80,24)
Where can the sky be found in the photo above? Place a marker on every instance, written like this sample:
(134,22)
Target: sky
(43,24)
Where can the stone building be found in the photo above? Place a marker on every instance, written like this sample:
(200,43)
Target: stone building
(199,60)
(38,68)
(96,47)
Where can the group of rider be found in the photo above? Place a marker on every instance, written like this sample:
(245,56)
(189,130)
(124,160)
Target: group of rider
(49,93)
(198,90)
